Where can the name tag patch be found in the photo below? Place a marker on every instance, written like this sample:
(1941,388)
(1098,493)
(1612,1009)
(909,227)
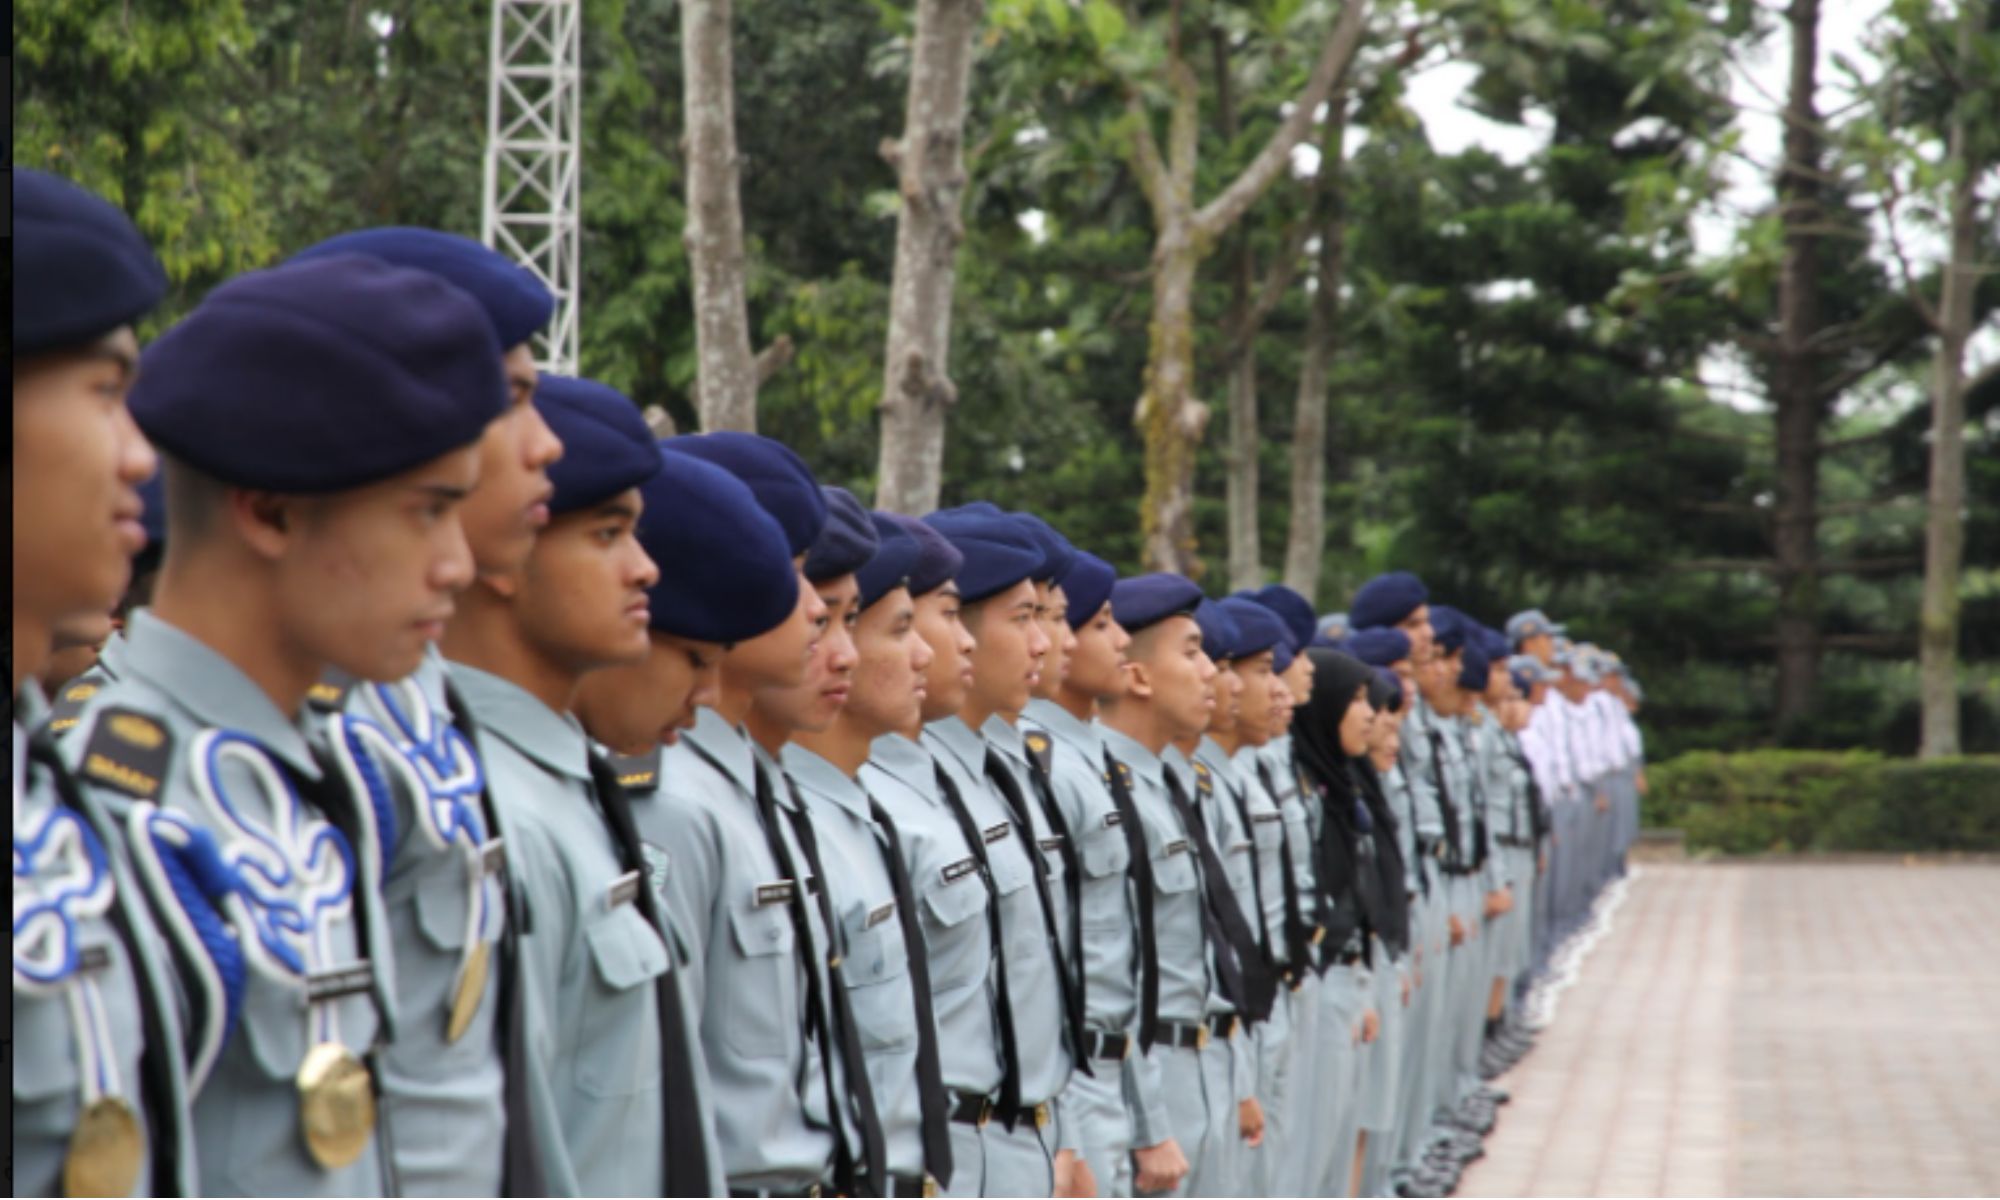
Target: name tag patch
(1177,846)
(780,892)
(1113,818)
(1264,818)
(93,958)
(623,890)
(1053,845)
(339,981)
(880,914)
(996,832)
(953,872)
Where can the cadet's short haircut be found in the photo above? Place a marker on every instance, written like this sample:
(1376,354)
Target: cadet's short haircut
(194,500)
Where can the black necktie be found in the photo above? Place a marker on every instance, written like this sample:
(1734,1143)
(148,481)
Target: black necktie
(931,1100)
(1241,799)
(1244,980)
(1072,1002)
(1453,855)
(162,1114)
(687,1158)
(521,1170)
(1072,887)
(1010,1050)
(1298,936)
(1140,869)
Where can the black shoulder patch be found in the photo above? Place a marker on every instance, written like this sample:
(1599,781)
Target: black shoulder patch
(68,708)
(330,693)
(639,773)
(129,752)
(1041,752)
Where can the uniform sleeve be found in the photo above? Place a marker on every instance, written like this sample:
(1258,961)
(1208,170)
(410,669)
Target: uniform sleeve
(692,880)
(546,943)
(1145,1098)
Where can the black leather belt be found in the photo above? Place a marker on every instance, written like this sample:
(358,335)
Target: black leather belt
(1181,1035)
(1516,842)
(1108,1046)
(1040,1114)
(915,1185)
(813,1191)
(970,1108)
(1223,1025)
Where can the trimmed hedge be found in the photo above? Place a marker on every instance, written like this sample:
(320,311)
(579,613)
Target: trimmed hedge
(1800,800)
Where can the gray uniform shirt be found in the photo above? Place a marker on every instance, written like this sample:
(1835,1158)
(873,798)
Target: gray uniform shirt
(901,775)
(220,769)
(589,957)
(1271,835)
(876,963)
(727,892)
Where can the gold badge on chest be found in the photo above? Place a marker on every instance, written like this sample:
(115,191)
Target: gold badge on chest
(471,989)
(336,1105)
(104,1151)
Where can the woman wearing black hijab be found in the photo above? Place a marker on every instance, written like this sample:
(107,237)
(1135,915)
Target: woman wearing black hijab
(1328,730)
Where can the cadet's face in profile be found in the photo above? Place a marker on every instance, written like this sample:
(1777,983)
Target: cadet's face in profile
(1418,626)
(1256,698)
(368,576)
(1356,722)
(780,658)
(1542,646)
(1385,738)
(1183,678)
(890,662)
(582,599)
(1299,681)
(78,462)
(940,623)
(511,503)
(1228,699)
(631,709)
(811,705)
(1010,650)
(1062,641)
(1096,659)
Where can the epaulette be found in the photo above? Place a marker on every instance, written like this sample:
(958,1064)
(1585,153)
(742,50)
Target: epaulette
(1041,751)
(128,752)
(68,708)
(330,693)
(638,773)
(1203,781)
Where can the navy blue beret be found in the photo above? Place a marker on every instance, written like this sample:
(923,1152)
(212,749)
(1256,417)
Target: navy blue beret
(607,447)
(1380,646)
(1474,668)
(779,479)
(938,561)
(1493,642)
(893,563)
(846,543)
(997,551)
(1057,553)
(1257,628)
(1385,690)
(1086,587)
(153,494)
(515,301)
(1218,631)
(1448,626)
(1282,655)
(726,572)
(322,376)
(1147,600)
(81,269)
(1386,599)
(1293,609)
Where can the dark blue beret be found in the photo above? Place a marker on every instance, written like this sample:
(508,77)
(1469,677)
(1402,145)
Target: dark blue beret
(997,551)
(1257,628)
(1282,655)
(1385,691)
(1448,627)
(1147,600)
(1218,631)
(779,479)
(1057,553)
(893,563)
(1386,599)
(81,269)
(1086,586)
(607,447)
(726,572)
(1474,668)
(514,300)
(153,494)
(1493,642)
(1522,680)
(1293,609)
(846,543)
(1328,642)
(322,376)
(938,561)
(1380,646)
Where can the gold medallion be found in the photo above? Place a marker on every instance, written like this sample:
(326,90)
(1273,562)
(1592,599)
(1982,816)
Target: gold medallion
(471,989)
(104,1151)
(336,1105)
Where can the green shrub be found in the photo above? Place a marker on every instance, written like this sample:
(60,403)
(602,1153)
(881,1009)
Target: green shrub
(1786,800)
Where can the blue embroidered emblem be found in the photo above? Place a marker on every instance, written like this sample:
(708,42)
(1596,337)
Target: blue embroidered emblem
(61,876)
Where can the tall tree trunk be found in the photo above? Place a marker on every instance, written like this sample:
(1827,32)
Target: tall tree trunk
(917,391)
(1796,390)
(1169,416)
(1305,541)
(1944,521)
(725,372)
(1246,567)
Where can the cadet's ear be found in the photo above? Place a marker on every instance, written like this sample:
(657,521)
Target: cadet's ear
(1138,679)
(263,519)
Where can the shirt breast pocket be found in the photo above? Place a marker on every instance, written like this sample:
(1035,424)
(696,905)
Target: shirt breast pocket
(760,1013)
(1173,871)
(619,1051)
(948,905)
(1104,852)
(877,968)
(444,901)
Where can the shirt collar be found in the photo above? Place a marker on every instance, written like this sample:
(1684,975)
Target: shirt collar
(905,760)
(1004,737)
(819,778)
(507,711)
(211,688)
(1062,725)
(725,745)
(962,742)
(1144,763)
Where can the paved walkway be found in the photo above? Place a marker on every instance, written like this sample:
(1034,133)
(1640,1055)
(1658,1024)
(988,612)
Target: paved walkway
(1770,1029)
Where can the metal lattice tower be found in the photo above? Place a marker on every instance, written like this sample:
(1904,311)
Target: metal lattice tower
(534,151)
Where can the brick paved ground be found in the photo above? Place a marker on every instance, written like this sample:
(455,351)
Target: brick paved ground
(1770,1029)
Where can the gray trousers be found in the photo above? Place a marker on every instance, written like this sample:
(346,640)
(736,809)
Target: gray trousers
(1094,1105)
(1221,1169)
(1287,1079)
(1020,1161)
(1339,1062)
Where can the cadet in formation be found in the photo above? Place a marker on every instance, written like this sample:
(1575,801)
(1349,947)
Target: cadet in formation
(483,788)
